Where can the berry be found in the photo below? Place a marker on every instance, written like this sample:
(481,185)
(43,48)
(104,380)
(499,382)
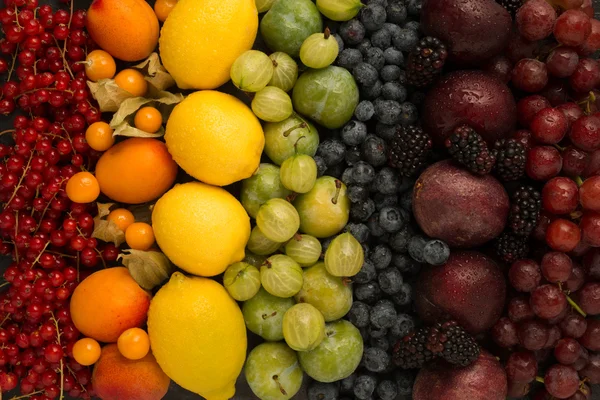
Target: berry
(468,148)
(510,247)
(511,5)
(408,149)
(524,211)
(425,61)
(510,159)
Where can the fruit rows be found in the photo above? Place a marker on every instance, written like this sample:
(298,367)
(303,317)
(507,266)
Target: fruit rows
(396,199)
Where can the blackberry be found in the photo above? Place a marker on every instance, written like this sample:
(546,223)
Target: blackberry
(468,148)
(413,351)
(526,203)
(510,247)
(425,61)
(511,5)
(408,149)
(510,159)
(460,348)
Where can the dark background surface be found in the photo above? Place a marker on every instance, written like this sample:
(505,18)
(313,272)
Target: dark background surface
(243,392)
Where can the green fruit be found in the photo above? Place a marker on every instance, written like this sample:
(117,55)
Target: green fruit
(339,10)
(288,23)
(338,355)
(241,280)
(278,220)
(261,245)
(299,173)
(272,371)
(329,294)
(328,96)
(252,71)
(264,5)
(344,256)
(265,184)
(304,249)
(282,139)
(324,211)
(281,276)
(303,327)
(285,71)
(319,50)
(264,313)
(254,259)
(272,104)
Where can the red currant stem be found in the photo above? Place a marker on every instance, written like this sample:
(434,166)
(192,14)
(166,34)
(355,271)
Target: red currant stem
(35,90)
(5,319)
(101,258)
(4,284)
(578,180)
(26,396)
(62,369)
(8,131)
(61,254)
(14,60)
(37,259)
(21,180)
(75,376)
(539,379)
(17,16)
(576,306)
(71,15)
(46,208)
(62,53)
(559,148)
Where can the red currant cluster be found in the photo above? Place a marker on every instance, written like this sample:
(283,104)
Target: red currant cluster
(47,235)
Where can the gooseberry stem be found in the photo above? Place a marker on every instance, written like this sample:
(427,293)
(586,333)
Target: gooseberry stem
(327,33)
(338,188)
(293,128)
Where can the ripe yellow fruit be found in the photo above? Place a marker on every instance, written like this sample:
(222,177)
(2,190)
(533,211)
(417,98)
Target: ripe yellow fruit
(215,137)
(201,228)
(201,39)
(198,335)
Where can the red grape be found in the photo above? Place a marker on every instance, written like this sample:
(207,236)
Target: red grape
(519,310)
(504,332)
(556,91)
(500,67)
(572,111)
(562,62)
(524,137)
(556,266)
(588,8)
(548,301)
(574,162)
(593,165)
(573,325)
(586,76)
(535,20)
(592,43)
(524,275)
(533,334)
(592,369)
(591,337)
(590,228)
(589,194)
(561,381)
(529,106)
(549,126)
(572,28)
(591,263)
(567,351)
(530,75)
(563,235)
(543,163)
(560,195)
(585,133)
(519,48)
(518,389)
(554,333)
(521,366)
(589,298)
(576,280)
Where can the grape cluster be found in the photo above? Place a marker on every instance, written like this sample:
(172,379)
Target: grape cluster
(48,237)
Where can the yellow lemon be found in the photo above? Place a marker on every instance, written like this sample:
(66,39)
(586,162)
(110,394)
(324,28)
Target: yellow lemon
(201,228)
(201,39)
(198,336)
(215,138)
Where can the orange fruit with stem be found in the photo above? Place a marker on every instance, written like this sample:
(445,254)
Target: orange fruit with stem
(100,65)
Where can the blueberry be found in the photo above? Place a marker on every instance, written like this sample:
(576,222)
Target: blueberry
(394,91)
(392,219)
(347,384)
(373,151)
(393,29)
(321,166)
(406,264)
(388,111)
(352,32)
(408,114)
(384,200)
(393,56)
(365,74)
(364,111)
(323,391)
(403,325)
(413,25)
(405,40)
(347,176)
(389,73)
(367,292)
(382,343)
(404,296)
(359,231)
(390,280)
(414,7)
(381,39)
(377,332)
(375,359)
(436,252)
(402,78)
(349,58)
(384,131)
(359,314)
(364,333)
(354,133)
(366,274)
(336,170)
(373,16)
(357,193)
(416,245)
(382,3)
(339,41)
(404,381)
(364,387)
(396,13)
(371,92)
(352,155)
(386,181)
(361,211)
(373,224)
(332,151)
(406,200)
(383,314)
(375,57)
(363,173)
(387,390)
(399,242)
(364,46)
(381,256)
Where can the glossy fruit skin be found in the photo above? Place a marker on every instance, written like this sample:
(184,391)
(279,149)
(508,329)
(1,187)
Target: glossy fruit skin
(461,29)
(86,351)
(134,344)
(490,110)
(139,236)
(470,288)
(128,30)
(162,8)
(148,119)
(100,65)
(99,136)
(132,81)
(82,188)
(485,379)
(122,217)
(263,185)
(446,196)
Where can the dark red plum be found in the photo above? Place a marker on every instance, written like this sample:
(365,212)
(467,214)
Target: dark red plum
(460,24)
(474,98)
(485,379)
(462,209)
(469,288)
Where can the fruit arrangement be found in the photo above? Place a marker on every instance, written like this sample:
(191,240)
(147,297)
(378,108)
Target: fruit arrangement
(392,199)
